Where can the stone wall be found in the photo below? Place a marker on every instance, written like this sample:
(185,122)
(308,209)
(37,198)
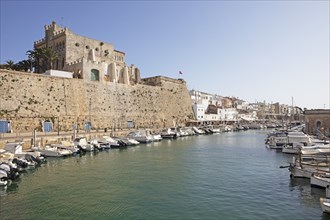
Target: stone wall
(27,99)
(317,121)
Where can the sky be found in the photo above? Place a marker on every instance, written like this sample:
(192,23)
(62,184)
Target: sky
(272,51)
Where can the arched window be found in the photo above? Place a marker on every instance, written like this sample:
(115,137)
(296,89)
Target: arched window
(318,124)
(95,74)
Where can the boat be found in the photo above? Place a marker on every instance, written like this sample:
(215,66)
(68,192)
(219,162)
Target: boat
(156,137)
(327,191)
(321,180)
(52,151)
(114,142)
(65,145)
(129,141)
(316,149)
(104,144)
(83,145)
(189,131)
(141,136)
(280,139)
(325,204)
(168,134)
(305,165)
(3,177)
(214,129)
(16,148)
(276,140)
(292,148)
(198,131)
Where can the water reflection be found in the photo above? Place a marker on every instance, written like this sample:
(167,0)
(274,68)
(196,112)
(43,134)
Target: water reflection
(309,196)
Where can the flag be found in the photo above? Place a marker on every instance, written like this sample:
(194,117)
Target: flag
(180,72)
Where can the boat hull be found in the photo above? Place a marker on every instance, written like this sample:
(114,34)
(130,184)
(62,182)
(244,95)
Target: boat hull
(325,204)
(319,181)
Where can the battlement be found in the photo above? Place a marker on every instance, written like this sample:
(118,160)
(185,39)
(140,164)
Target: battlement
(158,80)
(39,41)
(75,62)
(53,24)
(61,31)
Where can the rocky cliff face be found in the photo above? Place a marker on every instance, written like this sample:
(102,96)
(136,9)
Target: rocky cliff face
(29,99)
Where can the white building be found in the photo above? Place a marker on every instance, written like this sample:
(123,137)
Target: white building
(207,108)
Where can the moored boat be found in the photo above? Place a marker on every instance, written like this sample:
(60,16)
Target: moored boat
(321,180)
(325,204)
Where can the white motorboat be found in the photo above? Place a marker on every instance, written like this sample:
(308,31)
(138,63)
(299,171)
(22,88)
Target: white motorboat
(52,151)
(3,177)
(325,204)
(69,146)
(214,129)
(322,149)
(227,129)
(168,134)
(104,144)
(156,137)
(189,131)
(16,148)
(140,136)
(82,144)
(321,180)
(131,141)
(113,143)
(198,131)
(292,148)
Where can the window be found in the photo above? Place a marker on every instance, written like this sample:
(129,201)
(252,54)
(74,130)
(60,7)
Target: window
(95,74)
(318,124)
(4,126)
(47,126)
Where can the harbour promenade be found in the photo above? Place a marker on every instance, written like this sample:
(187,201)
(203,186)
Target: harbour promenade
(46,137)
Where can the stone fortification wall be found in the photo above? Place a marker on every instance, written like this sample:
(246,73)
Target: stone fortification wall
(29,99)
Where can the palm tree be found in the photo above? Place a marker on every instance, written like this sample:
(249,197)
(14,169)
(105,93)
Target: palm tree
(42,58)
(35,57)
(49,56)
(10,64)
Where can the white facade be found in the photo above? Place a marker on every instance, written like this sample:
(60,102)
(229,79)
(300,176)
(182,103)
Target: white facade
(228,114)
(199,111)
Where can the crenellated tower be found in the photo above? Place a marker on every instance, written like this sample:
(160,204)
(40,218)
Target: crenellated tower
(86,58)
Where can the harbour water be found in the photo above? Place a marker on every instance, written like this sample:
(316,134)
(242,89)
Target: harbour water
(222,176)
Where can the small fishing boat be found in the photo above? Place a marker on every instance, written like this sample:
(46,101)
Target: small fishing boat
(321,180)
(305,165)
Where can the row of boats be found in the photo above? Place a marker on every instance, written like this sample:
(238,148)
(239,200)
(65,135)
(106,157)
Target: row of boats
(311,159)
(14,160)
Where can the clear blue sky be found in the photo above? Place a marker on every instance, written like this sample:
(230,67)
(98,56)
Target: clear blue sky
(254,50)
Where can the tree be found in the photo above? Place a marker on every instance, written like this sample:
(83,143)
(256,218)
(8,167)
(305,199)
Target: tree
(10,64)
(49,56)
(23,65)
(42,58)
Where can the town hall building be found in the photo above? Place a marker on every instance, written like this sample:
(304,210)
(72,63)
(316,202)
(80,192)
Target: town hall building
(86,58)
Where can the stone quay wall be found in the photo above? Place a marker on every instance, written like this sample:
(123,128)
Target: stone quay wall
(29,99)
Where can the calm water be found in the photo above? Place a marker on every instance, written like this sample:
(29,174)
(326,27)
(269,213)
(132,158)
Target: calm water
(223,176)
